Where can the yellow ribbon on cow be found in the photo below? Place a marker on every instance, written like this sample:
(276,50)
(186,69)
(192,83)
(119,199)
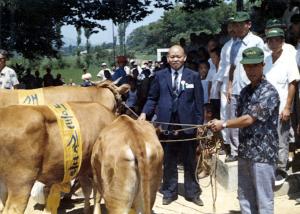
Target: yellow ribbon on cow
(31,97)
(132,211)
(71,138)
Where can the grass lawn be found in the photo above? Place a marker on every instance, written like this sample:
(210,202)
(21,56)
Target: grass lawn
(70,70)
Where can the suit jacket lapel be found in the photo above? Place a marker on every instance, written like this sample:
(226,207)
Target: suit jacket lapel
(184,78)
(168,77)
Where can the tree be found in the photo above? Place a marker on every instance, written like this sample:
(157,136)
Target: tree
(37,21)
(122,36)
(87,33)
(78,61)
(178,23)
(31,27)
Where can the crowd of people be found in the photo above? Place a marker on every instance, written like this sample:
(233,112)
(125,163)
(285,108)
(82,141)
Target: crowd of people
(241,84)
(10,80)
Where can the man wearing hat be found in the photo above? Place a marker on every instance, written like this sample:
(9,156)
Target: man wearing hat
(237,78)
(282,72)
(276,23)
(295,20)
(101,72)
(295,29)
(257,117)
(224,67)
(120,74)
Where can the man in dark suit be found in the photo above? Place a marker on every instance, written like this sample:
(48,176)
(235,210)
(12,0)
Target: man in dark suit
(176,96)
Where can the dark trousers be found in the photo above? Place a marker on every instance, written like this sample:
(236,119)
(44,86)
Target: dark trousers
(187,151)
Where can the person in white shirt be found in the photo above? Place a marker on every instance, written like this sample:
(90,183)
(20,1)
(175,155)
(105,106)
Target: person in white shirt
(276,23)
(8,77)
(86,77)
(203,68)
(281,71)
(214,84)
(223,78)
(237,77)
(101,72)
(295,20)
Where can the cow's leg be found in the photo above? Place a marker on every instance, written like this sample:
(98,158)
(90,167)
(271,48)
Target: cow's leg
(120,182)
(97,200)
(87,187)
(17,199)
(3,195)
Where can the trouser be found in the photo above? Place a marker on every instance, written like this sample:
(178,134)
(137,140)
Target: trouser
(170,176)
(255,187)
(285,135)
(224,115)
(187,151)
(216,103)
(233,133)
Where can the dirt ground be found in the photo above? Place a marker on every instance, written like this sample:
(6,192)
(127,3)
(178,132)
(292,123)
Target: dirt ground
(226,203)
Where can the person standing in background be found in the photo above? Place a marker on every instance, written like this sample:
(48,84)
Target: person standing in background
(8,77)
(257,118)
(176,95)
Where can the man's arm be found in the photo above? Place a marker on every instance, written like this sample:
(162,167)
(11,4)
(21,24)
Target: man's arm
(199,99)
(240,122)
(285,114)
(230,80)
(152,99)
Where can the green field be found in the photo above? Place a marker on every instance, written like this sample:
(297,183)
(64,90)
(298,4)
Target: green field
(69,71)
(67,66)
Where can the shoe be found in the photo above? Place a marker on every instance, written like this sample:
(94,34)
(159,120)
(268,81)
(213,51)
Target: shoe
(298,201)
(280,176)
(167,201)
(198,201)
(230,158)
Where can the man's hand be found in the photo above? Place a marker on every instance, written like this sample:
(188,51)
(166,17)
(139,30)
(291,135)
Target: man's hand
(142,116)
(285,114)
(228,94)
(216,125)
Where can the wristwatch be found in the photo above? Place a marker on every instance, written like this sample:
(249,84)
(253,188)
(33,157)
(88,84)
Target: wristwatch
(224,125)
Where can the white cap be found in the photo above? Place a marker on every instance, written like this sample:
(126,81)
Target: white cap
(103,64)
(131,61)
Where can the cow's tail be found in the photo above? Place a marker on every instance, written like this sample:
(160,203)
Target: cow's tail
(138,147)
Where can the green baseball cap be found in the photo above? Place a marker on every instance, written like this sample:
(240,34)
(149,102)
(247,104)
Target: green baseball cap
(230,19)
(241,16)
(274,23)
(253,55)
(274,32)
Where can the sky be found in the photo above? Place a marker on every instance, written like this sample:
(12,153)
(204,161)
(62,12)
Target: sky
(70,35)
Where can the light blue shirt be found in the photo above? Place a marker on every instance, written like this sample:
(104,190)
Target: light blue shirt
(179,76)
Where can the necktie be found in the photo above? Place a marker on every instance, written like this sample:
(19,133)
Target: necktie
(175,92)
(175,83)
(234,50)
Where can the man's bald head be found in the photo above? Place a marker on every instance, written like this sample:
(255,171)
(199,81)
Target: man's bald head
(176,57)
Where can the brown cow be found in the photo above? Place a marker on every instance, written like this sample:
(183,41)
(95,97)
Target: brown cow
(59,94)
(31,147)
(127,166)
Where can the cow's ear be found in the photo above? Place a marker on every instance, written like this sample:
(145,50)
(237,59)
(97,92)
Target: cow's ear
(123,89)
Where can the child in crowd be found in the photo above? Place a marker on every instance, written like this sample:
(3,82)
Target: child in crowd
(208,112)
(203,68)
(213,83)
(132,97)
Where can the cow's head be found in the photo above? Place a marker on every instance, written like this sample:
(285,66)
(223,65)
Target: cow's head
(116,92)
